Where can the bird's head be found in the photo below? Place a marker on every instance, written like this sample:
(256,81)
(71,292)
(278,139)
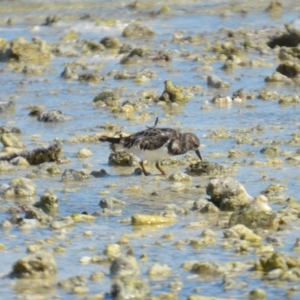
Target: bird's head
(193,143)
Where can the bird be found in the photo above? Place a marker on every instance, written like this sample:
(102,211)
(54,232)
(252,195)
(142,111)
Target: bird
(155,144)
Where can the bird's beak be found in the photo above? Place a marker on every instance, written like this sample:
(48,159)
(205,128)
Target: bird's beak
(198,154)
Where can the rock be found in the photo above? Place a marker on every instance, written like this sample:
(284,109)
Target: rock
(20,187)
(139,219)
(62,223)
(255,219)
(52,116)
(74,175)
(215,82)
(290,38)
(76,284)
(291,53)
(32,212)
(48,202)
(257,294)
(112,251)
(180,177)
(278,77)
(5,166)
(221,100)
(158,271)
(90,46)
(206,168)
(99,174)
(19,161)
(240,231)
(69,73)
(289,100)
(111,203)
(82,217)
(270,151)
(126,282)
(227,193)
(267,94)
(38,155)
(289,69)
(121,158)
(89,77)
(7,107)
(11,140)
(111,42)
(173,93)
(107,98)
(207,269)
(23,50)
(84,152)
(277,260)
(40,265)
(137,31)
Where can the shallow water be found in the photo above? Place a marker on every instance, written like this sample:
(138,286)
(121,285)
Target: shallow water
(75,99)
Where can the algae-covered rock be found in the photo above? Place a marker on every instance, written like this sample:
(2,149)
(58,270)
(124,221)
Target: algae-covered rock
(126,282)
(82,218)
(268,94)
(84,152)
(5,166)
(111,42)
(74,284)
(11,140)
(89,77)
(48,202)
(207,268)
(53,116)
(289,100)
(277,260)
(180,177)
(20,187)
(289,38)
(111,203)
(227,193)
(139,219)
(23,50)
(158,271)
(32,212)
(242,232)
(7,107)
(289,69)
(40,265)
(121,158)
(206,168)
(270,151)
(107,98)
(74,175)
(112,251)
(173,93)
(216,82)
(137,31)
(39,155)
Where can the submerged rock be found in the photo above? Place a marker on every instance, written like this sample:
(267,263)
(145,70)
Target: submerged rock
(40,265)
(75,284)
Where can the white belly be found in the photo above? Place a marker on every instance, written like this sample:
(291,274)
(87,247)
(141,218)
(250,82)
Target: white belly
(150,156)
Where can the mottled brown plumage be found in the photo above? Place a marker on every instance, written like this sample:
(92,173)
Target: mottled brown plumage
(156,143)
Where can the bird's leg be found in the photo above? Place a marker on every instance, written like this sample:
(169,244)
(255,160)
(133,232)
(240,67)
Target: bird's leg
(160,169)
(143,168)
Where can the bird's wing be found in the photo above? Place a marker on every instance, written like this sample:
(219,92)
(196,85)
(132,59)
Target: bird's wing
(149,139)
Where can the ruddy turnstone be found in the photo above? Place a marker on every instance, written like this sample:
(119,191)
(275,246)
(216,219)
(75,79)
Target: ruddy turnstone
(156,144)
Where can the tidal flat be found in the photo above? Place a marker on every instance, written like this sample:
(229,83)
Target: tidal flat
(78,220)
